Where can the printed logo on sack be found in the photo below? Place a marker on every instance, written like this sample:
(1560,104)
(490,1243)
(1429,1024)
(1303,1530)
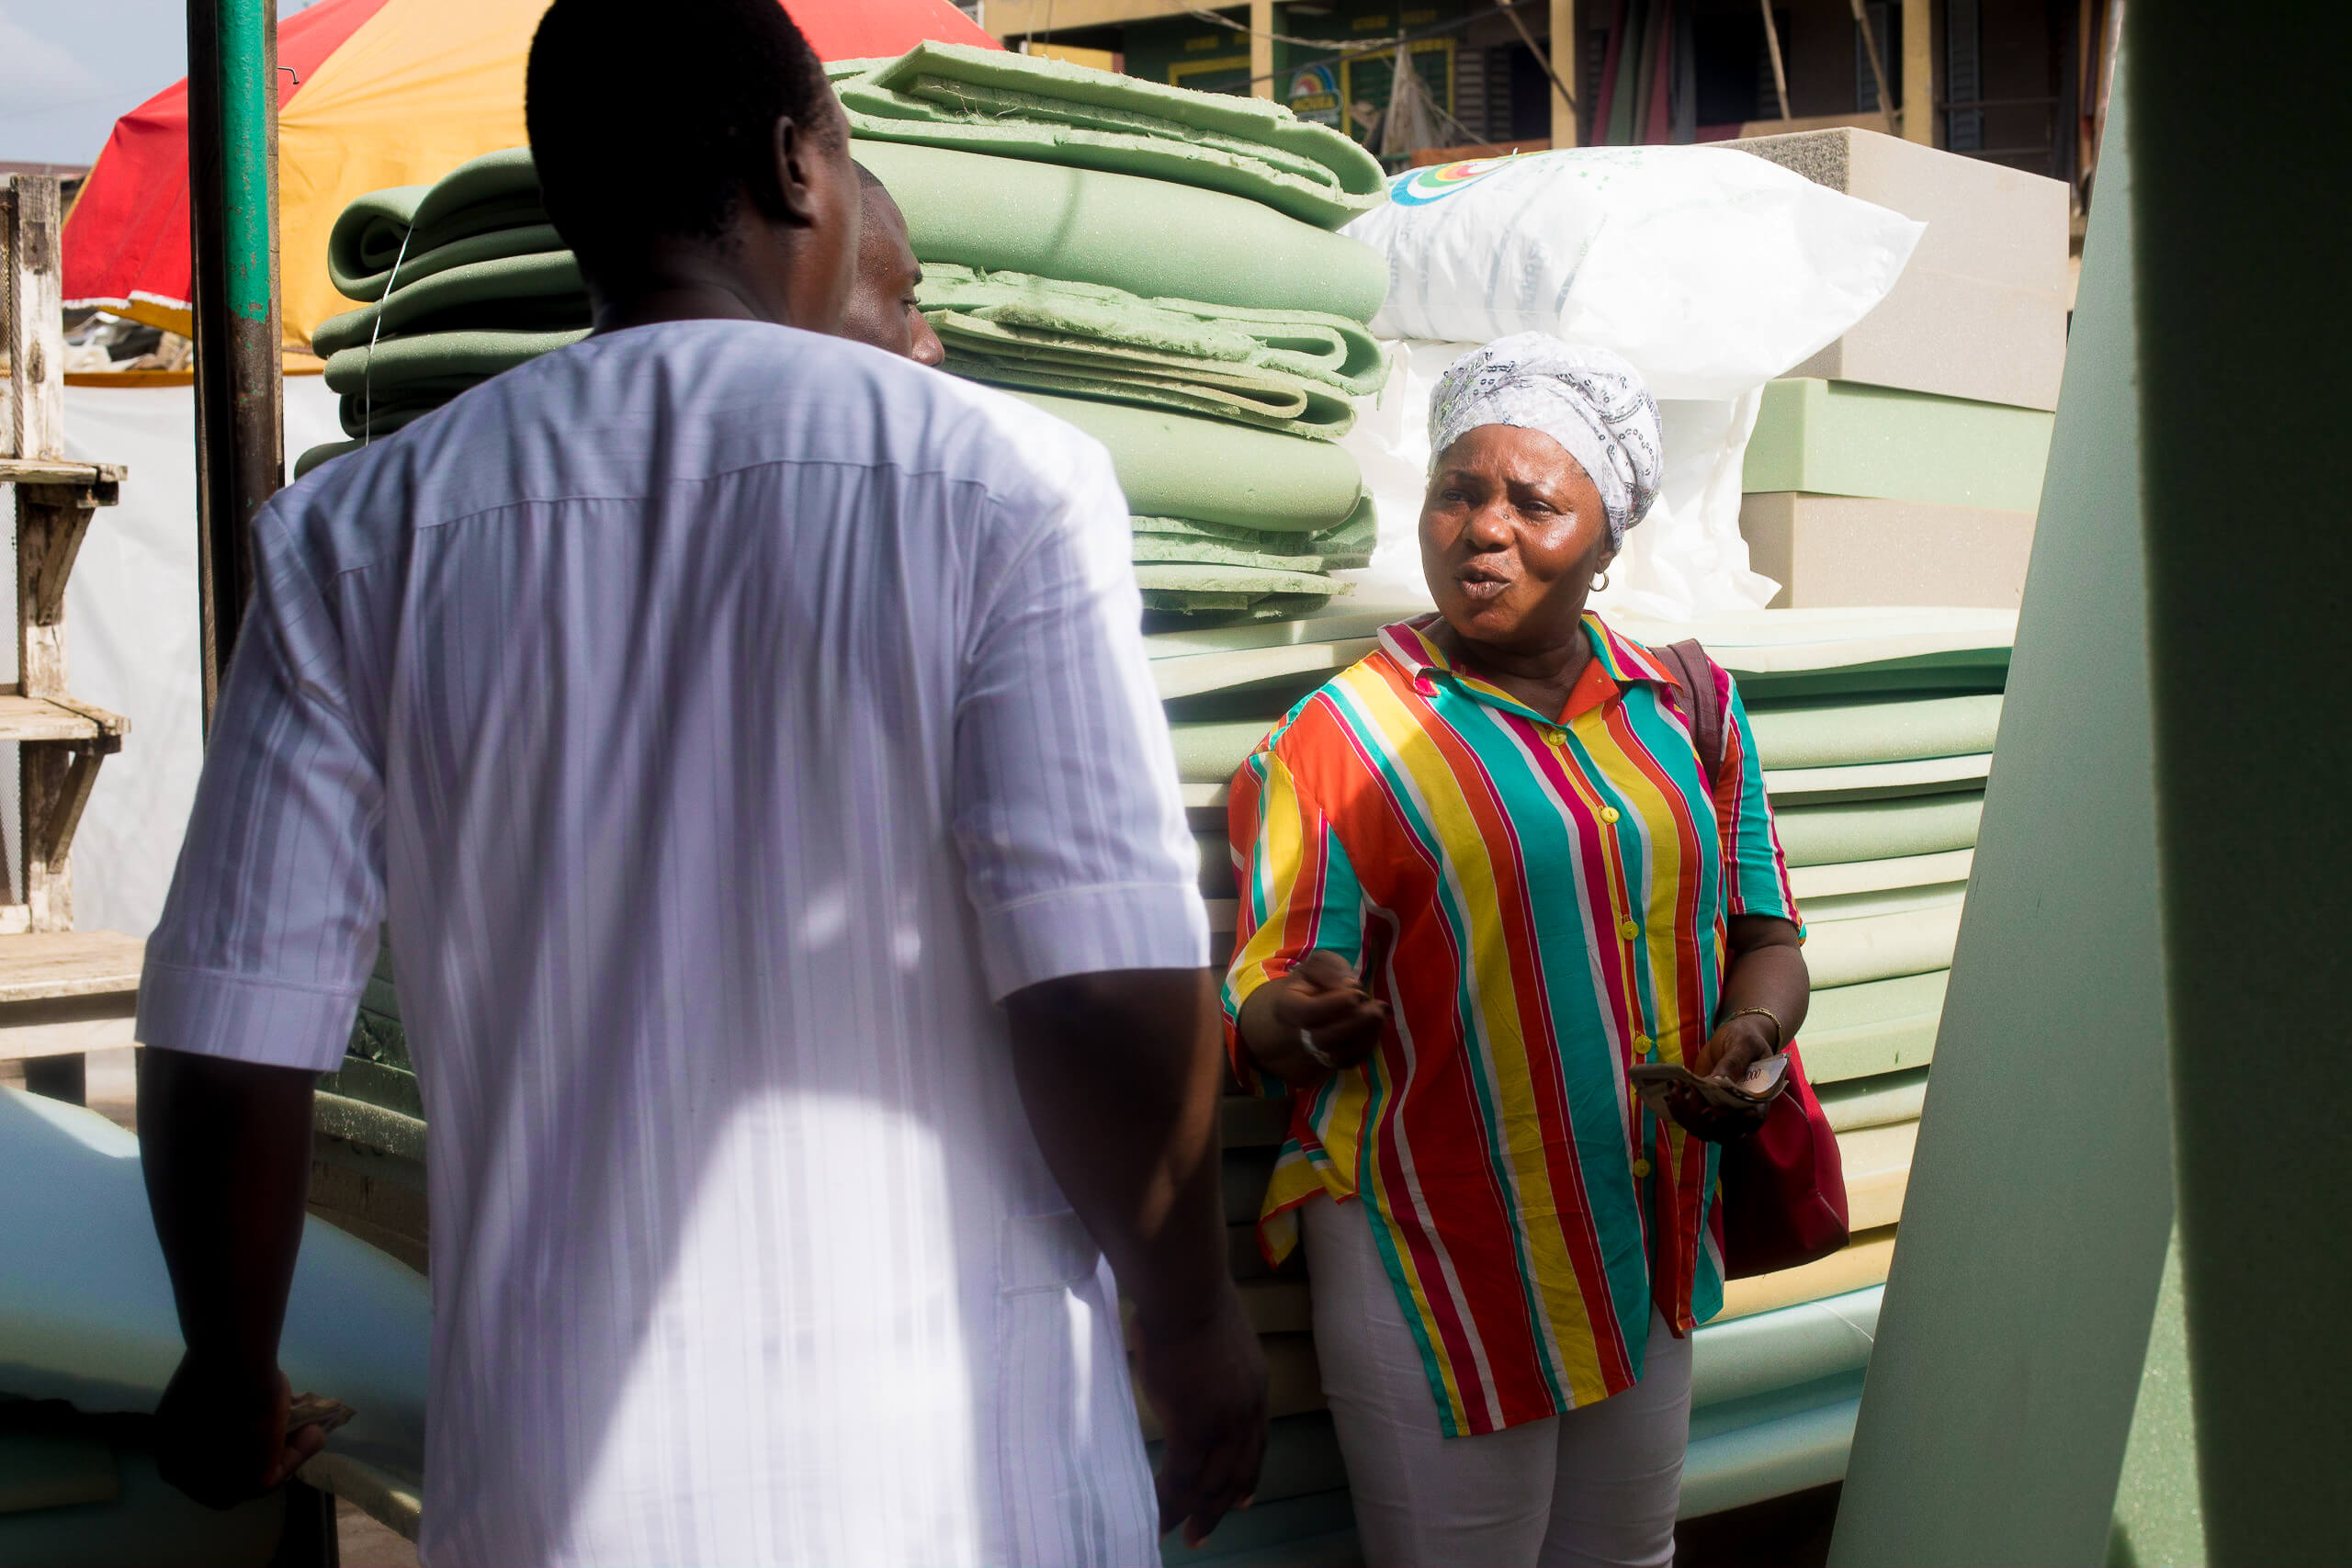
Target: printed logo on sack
(1419,187)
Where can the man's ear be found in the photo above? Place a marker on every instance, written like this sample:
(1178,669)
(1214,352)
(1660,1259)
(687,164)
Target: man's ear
(800,172)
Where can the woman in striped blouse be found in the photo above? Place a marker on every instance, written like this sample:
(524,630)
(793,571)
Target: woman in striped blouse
(1484,873)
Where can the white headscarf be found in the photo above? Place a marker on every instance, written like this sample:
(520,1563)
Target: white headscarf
(1587,400)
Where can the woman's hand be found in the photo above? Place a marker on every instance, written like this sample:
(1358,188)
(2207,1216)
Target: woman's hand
(1322,1002)
(1732,1052)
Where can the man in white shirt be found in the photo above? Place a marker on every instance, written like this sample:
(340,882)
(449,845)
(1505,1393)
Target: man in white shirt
(748,738)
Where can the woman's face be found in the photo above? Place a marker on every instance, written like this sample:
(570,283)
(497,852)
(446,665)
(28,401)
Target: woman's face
(1512,530)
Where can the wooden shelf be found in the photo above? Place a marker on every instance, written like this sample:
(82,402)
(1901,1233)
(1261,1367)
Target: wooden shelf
(58,471)
(45,718)
(44,965)
(67,992)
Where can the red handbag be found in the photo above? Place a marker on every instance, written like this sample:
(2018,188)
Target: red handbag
(1783,1186)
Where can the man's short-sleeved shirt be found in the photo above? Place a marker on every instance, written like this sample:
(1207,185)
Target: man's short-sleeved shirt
(1540,901)
(722,718)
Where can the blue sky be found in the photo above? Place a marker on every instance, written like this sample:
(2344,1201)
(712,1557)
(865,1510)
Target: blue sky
(69,67)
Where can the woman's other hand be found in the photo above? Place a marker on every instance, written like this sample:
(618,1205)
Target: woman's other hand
(1320,1003)
(1733,1051)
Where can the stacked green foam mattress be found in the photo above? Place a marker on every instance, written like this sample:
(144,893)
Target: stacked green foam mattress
(1155,266)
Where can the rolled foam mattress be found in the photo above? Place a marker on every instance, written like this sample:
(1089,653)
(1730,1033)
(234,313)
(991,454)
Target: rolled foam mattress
(496,191)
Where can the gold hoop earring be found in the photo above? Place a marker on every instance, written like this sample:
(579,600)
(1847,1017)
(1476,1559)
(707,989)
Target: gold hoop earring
(1600,581)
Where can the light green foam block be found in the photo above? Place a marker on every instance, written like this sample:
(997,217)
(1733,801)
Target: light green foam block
(1148,237)
(1174,465)
(1867,780)
(1882,901)
(1844,438)
(1879,830)
(1853,1104)
(1824,735)
(1835,1009)
(1882,947)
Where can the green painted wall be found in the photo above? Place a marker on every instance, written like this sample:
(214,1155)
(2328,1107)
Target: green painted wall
(2010,1352)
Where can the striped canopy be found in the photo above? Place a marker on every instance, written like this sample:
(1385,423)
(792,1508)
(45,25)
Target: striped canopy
(371,94)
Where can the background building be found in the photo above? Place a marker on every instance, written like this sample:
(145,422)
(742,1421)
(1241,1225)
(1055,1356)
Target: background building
(2017,82)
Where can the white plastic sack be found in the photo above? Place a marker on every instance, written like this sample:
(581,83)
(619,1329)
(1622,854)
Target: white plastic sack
(1686,559)
(1712,270)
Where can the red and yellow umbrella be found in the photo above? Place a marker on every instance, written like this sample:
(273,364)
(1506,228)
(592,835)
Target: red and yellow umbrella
(373,92)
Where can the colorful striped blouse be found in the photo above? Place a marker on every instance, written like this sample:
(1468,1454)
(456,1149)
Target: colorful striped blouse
(1541,904)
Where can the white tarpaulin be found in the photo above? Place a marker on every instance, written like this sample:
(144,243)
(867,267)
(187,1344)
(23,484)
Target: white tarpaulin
(131,617)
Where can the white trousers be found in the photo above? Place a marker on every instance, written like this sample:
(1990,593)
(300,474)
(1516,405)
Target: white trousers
(1598,1486)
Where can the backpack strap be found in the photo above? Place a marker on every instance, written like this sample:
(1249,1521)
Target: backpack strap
(1688,660)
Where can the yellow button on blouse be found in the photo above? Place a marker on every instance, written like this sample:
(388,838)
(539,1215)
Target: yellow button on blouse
(1641,1167)
(1642,1042)
(1609,814)
(1628,930)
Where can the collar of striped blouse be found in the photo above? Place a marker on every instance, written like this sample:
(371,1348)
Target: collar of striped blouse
(1411,643)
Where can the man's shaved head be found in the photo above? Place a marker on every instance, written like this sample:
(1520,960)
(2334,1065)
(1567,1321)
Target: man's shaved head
(882,301)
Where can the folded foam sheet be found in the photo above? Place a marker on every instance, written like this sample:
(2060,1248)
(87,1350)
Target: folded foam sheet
(1314,344)
(1029,107)
(1843,438)
(1288,370)
(1177,465)
(1188,538)
(1191,548)
(496,191)
(1161,580)
(1268,399)
(1148,237)
(1848,551)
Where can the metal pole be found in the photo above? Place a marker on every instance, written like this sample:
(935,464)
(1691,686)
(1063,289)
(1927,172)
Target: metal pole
(232,221)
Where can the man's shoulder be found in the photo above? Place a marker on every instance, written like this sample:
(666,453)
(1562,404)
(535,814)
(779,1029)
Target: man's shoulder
(622,415)
(853,403)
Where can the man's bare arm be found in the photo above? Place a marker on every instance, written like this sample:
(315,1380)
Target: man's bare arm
(1120,1074)
(226,1150)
